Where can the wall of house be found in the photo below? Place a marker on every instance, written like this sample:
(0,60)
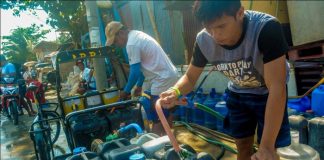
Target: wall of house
(169,27)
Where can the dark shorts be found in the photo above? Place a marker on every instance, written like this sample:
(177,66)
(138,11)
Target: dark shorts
(246,112)
(150,109)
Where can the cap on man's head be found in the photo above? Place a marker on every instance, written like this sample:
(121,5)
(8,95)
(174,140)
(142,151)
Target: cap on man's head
(111,29)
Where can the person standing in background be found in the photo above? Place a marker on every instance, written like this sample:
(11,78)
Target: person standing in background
(147,61)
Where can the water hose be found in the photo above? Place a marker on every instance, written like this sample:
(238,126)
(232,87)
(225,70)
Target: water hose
(209,110)
(166,126)
(204,137)
(132,125)
(309,91)
(214,133)
(221,154)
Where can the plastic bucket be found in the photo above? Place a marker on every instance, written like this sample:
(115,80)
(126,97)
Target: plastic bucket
(110,97)
(73,104)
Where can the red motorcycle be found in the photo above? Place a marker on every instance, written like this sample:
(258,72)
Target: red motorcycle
(10,99)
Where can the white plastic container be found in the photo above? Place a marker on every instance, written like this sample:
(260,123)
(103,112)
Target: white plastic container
(297,151)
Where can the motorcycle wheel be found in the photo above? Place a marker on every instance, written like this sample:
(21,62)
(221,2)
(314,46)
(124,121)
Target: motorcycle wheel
(14,111)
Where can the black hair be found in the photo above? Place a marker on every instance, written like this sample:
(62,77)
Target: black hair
(206,11)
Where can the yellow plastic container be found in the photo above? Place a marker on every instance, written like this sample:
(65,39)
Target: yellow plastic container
(73,104)
(93,99)
(110,96)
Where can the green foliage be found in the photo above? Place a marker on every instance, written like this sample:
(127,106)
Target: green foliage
(18,46)
(64,16)
(64,37)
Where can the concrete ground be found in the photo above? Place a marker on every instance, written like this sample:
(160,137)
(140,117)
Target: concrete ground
(15,141)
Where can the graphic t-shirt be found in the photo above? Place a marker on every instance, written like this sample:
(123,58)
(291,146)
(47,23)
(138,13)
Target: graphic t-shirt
(261,42)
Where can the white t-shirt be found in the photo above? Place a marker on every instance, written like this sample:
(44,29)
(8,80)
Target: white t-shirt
(155,64)
(85,74)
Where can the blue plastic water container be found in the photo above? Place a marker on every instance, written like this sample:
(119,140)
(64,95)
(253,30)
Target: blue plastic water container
(300,104)
(197,114)
(185,111)
(211,101)
(221,108)
(186,114)
(318,100)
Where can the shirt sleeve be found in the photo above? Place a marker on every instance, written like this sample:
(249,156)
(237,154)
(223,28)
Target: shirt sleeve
(272,42)
(140,80)
(198,59)
(134,75)
(134,54)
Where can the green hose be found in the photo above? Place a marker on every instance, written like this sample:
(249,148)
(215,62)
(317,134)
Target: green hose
(210,111)
(213,141)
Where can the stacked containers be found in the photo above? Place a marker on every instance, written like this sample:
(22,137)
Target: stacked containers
(221,108)
(299,123)
(211,101)
(315,134)
(185,111)
(111,96)
(197,114)
(93,99)
(297,150)
(73,104)
(318,100)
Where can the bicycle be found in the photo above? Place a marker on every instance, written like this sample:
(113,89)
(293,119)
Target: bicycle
(44,124)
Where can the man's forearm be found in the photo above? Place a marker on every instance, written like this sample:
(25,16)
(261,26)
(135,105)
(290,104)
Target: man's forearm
(273,116)
(184,85)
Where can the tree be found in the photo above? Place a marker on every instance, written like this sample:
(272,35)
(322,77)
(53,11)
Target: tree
(63,15)
(64,37)
(18,46)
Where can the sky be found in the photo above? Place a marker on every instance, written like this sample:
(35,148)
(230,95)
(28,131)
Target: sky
(26,19)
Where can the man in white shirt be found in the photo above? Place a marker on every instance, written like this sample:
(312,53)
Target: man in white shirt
(148,61)
(86,74)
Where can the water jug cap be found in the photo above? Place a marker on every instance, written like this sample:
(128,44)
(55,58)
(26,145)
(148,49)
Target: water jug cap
(79,150)
(137,156)
(321,87)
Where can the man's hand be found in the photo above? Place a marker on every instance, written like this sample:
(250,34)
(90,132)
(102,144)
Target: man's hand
(124,95)
(138,91)
(169,99)
(265,154)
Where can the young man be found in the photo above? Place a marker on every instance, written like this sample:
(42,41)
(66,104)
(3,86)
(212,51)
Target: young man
(147,59)
(249,48)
